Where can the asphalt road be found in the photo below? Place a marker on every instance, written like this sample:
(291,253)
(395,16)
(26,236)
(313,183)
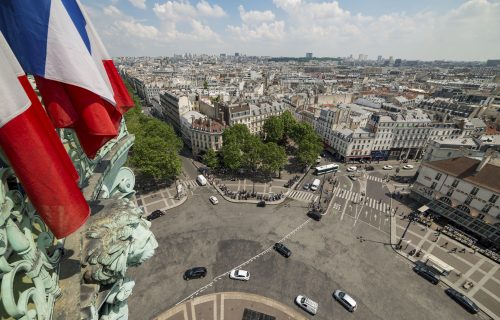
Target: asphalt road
(326,256)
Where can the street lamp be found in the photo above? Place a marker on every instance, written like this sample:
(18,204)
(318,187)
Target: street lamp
(412,217)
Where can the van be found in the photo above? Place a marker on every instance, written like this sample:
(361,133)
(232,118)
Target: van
(315,184)
(307,304)
(201,180)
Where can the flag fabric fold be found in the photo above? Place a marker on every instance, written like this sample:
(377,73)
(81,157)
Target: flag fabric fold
(35,151)
(81,89)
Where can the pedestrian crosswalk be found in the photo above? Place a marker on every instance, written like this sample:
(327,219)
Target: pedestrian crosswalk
(302,196)
(375,178)
(190,184)
(367,201)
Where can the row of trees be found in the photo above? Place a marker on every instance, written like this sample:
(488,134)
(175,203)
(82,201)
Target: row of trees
(242,150)
(284,130)
(155,154)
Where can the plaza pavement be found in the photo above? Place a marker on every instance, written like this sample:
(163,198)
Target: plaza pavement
(480,270)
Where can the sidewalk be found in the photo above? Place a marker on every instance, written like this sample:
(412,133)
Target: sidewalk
(162,199)
(467,266)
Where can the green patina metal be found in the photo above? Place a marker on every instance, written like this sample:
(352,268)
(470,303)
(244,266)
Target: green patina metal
(117,237)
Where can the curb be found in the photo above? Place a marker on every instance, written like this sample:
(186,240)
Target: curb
(243,296)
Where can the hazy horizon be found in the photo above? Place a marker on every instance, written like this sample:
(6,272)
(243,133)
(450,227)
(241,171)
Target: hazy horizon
(455,30)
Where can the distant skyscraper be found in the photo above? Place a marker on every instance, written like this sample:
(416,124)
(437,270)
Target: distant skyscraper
(397,63)
(222,55)
(309,55)
(362,57)
(379,59)
(236,54)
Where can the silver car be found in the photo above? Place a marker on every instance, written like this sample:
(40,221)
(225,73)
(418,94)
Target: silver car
(346,300)
(307,304)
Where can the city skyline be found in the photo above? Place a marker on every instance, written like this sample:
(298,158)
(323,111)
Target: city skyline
(448,30)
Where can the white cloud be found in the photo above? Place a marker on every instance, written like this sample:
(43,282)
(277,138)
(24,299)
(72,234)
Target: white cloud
(291,27)
(205,9)
(141,4)
(255,17)
(137,29)
(266,31)
(112,11)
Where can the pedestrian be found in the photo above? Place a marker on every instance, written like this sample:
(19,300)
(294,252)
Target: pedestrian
(445,244)
(453,250)
(462,250)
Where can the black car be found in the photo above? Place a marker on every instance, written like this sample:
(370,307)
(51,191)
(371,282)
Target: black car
(261,203)
(284,251)
(195,273)
(462,300)
(369,168)
(155,214)
(315,215)
(426,273)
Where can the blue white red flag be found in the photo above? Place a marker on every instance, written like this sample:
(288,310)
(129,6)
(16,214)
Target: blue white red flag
(35,151)
(80,87)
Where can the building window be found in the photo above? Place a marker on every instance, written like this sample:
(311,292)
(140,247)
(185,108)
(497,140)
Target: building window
(487,207)
(493,198)
(438,176)
(468,200)
(455,183)
(433,185)
(474,191)
(449,193)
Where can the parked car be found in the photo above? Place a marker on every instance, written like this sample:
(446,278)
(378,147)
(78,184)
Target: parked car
(282,249)
(214,200)
(387,167)
(307,186)
(425,272)
(261,204)
(155,214)
(239,275)
(346,300)
(353,178)
(408,167)
(369,168)
(461,299)
(307,304)
(195,273)
(351,169)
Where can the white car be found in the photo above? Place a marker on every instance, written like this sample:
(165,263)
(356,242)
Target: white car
(351,169)
(307,304)
(387,167)
(213,199)
(346,300)
(239,275)
(408,167)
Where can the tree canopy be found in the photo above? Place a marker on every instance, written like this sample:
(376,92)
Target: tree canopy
(155,153)
(274,129)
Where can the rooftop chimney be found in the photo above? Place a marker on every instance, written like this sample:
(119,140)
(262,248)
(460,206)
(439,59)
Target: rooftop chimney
(486,158)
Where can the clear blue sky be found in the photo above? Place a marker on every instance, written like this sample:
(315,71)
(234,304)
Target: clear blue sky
(409,29)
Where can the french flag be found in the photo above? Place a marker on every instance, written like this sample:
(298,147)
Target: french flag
(81,89)
(35,151)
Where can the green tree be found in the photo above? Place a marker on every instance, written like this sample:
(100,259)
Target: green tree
(251,157)
(231,156)
(155,153)
(205,85)
(273,158)
(309,148)
(210,159)
(288,123)
(273,129)
(237,133)
(301,130)
(159,164)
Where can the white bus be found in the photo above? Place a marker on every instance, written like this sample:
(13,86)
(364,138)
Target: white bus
(315,185)
(332,167)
